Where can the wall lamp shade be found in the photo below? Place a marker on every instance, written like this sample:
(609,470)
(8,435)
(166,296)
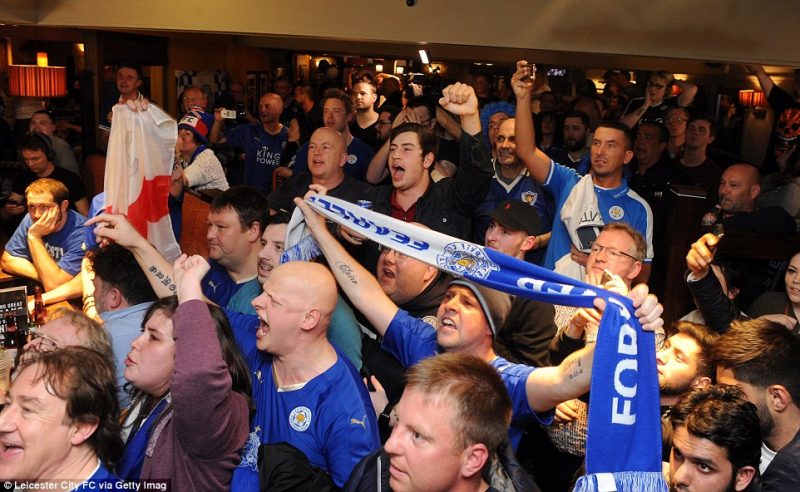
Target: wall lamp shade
(35,81)
(752,99)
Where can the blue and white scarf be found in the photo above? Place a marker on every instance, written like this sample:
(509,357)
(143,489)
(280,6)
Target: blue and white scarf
(623,449)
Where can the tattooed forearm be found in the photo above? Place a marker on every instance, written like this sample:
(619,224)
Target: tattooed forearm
(347,271)
(163,278)
(574,368)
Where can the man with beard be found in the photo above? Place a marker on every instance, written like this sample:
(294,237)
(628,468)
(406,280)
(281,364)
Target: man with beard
(46,247)
(262,142)
(761,357)
(585,203)
(574,153)
(364,125)
(715,446)
(683,363)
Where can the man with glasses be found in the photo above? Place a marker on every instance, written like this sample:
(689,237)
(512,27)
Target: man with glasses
(386,117)
(337,113)
(47,245)
(614,261)
(415,287)
(585,203)
(617,252)
(658,99)
(193,97)
(68,328)
(676,121)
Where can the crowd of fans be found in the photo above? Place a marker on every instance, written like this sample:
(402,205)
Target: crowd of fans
(243,372)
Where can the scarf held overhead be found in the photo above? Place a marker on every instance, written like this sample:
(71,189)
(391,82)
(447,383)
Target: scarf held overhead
(624,437)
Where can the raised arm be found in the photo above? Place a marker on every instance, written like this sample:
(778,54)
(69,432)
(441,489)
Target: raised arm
(717,308)
(632,118)
(549,386)
(360,285)
(219,426)
(688,91)
(377,170)
(447,122)
(116,228)
(535,160)
(215,135)
(474,174)
(764,80)
(460,99)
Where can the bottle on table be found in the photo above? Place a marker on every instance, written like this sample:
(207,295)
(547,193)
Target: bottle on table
(11,339)
(39,309)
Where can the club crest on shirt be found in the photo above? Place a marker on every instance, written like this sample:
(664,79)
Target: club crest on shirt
(466,258)
(352,158)
(300,418)
(529,197)
(431,320)
(616,212)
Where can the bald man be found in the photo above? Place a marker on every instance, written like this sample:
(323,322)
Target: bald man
(337,112)
(327,157)
(305,391)
(262,143)
(738,189)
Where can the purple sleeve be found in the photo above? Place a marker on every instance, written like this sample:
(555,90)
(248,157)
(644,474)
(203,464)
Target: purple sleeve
(211,419)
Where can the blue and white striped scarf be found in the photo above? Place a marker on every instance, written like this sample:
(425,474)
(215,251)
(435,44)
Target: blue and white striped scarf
(623,449)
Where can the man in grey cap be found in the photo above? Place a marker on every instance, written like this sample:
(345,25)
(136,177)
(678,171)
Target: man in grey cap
(529,327)
(468,318)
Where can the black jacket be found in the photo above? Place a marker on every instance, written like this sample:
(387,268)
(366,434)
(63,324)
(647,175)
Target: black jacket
(448,205)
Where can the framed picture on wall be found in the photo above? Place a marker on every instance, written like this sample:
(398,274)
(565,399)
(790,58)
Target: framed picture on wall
(257,84)
(252,90)
(302,72)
